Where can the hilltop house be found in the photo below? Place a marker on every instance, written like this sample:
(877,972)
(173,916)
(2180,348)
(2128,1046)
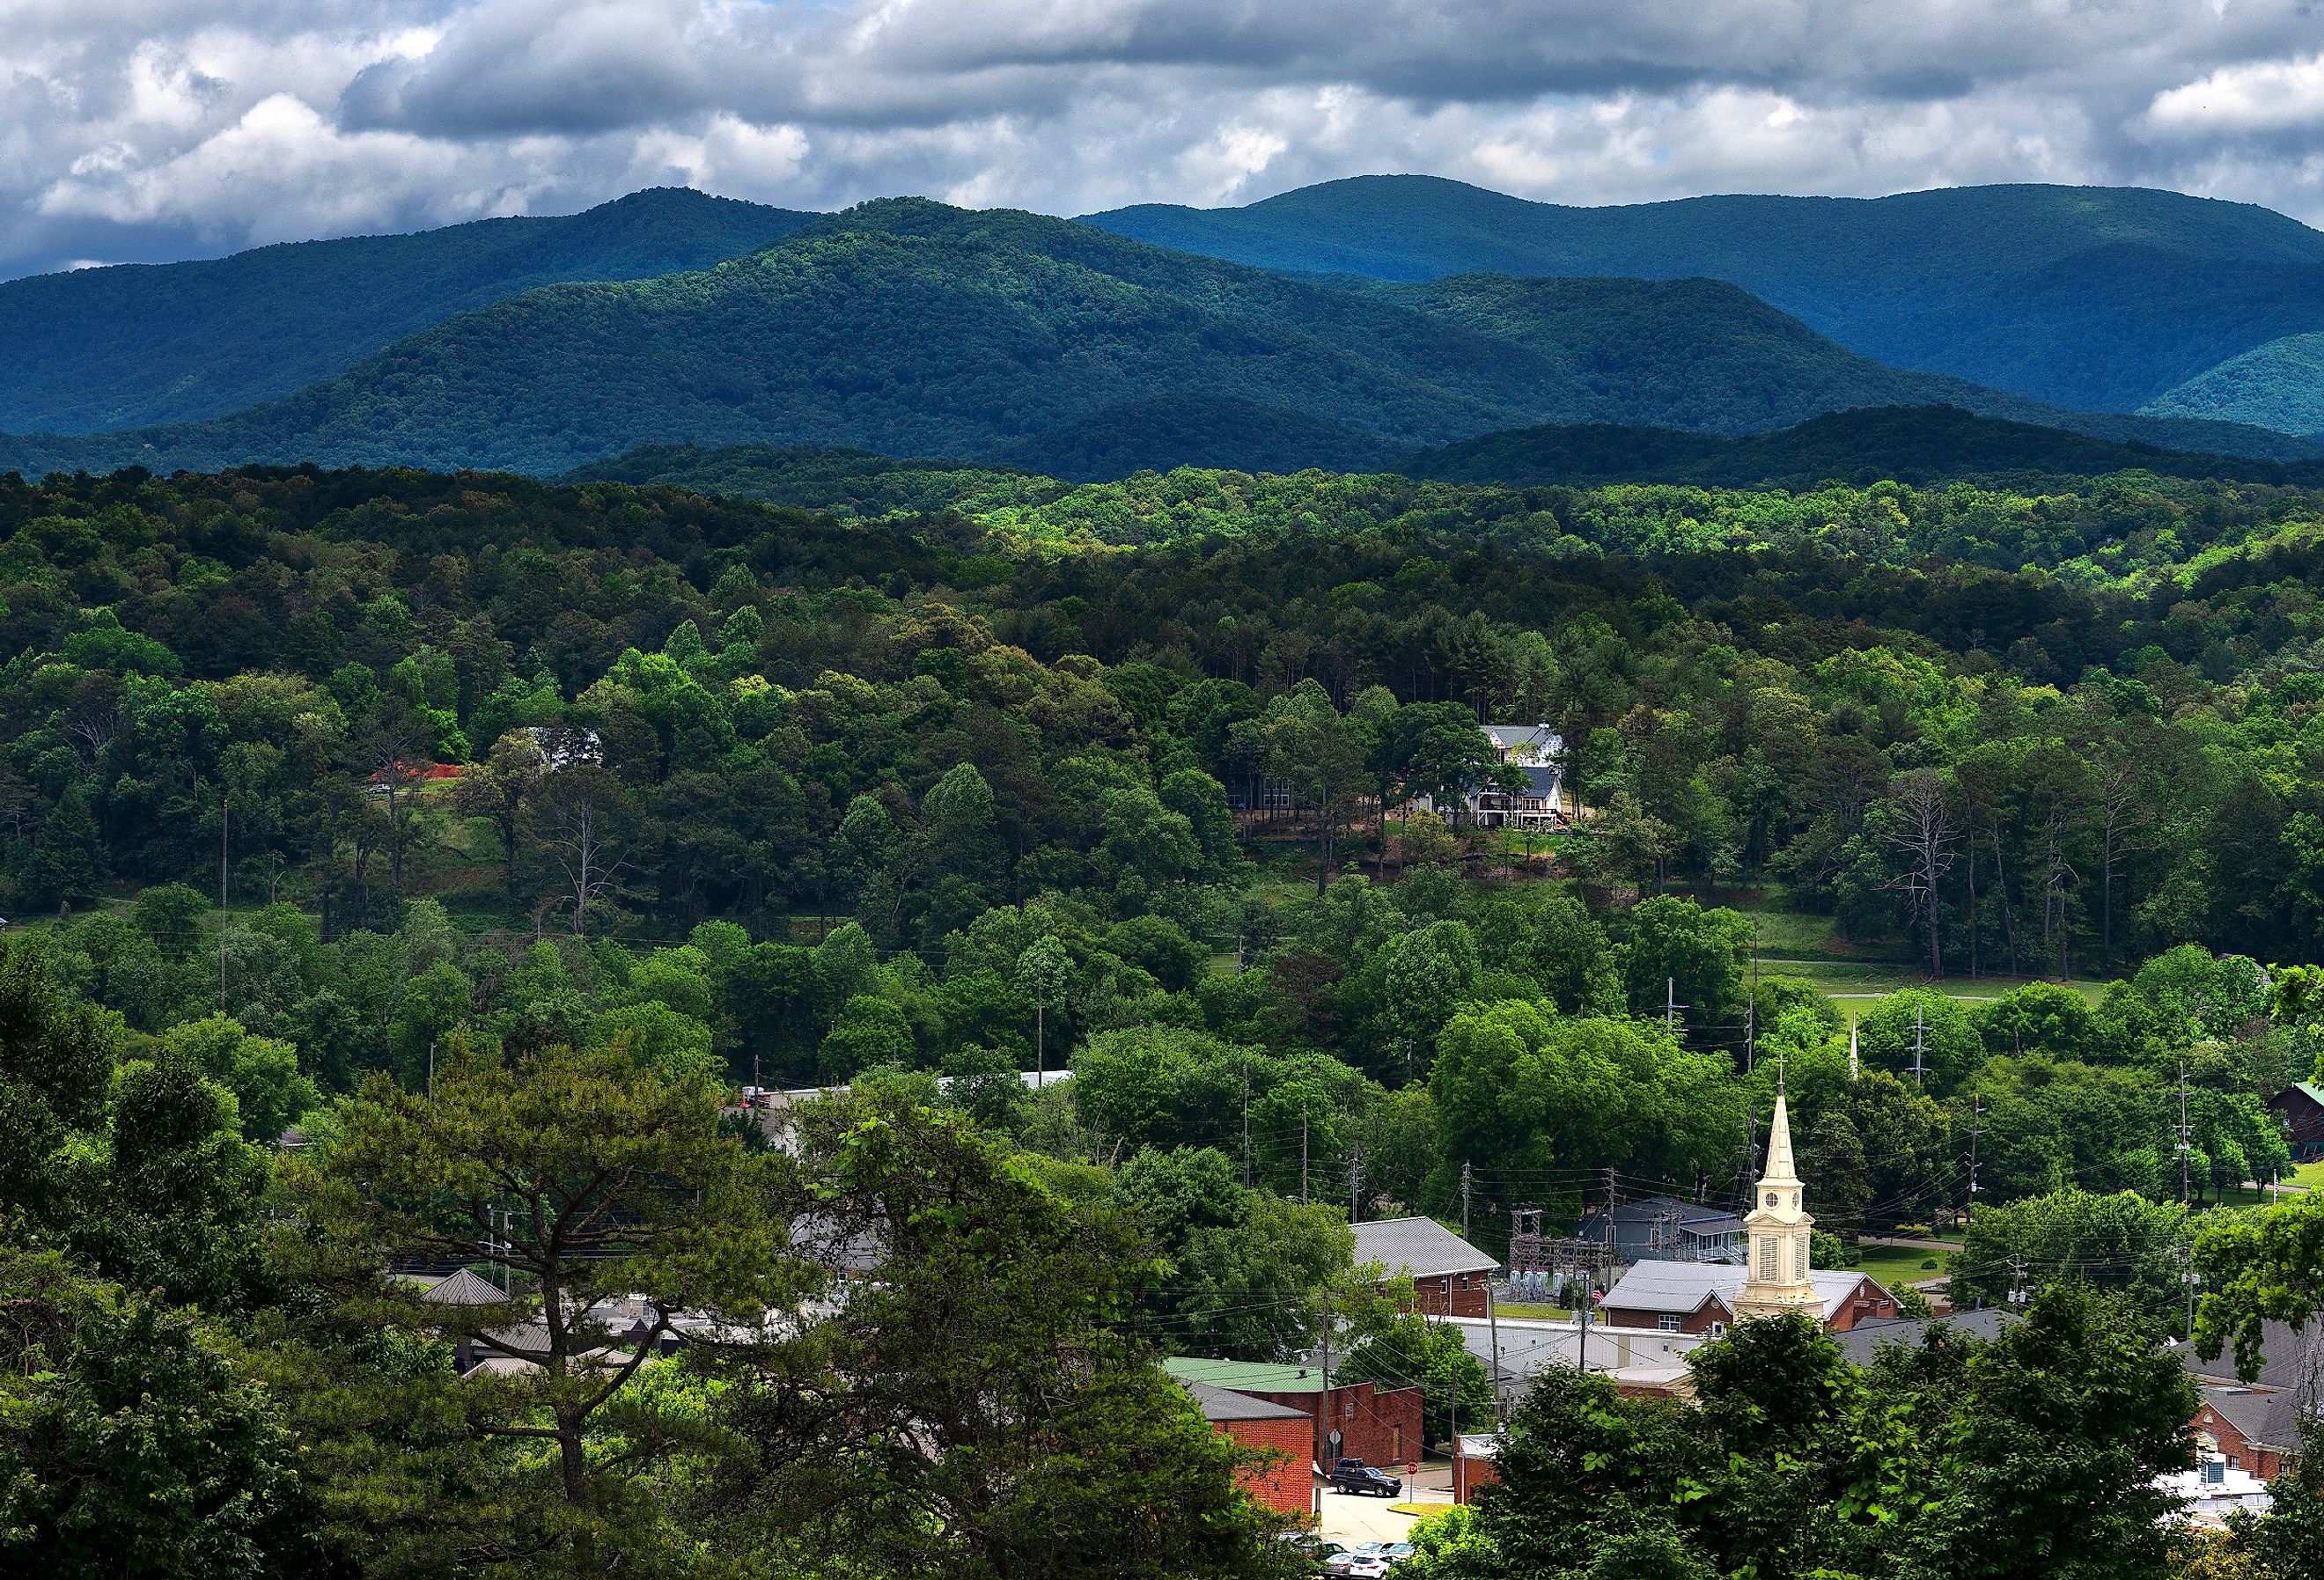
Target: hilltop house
(1535,750)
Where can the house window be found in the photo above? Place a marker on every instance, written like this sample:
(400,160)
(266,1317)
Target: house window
(1348,1409)
(1666,1324)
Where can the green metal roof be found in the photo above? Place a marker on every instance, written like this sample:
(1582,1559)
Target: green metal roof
(1246,1376)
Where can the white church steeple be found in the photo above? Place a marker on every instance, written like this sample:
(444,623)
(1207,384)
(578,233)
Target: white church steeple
(1778,1228)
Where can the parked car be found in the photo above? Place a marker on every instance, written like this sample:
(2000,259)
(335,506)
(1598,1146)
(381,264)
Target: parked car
(1379,1562)
(1353,1475)
(1371,1561)
(1318,1550)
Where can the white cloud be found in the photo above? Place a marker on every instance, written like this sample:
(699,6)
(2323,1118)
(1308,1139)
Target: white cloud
(2264,95)
(155,128)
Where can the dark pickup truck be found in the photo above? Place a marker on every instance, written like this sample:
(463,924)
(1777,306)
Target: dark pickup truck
(1353,1475)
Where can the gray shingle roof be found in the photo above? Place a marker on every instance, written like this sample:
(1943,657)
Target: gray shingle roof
(2268,1419)
(1862,1344)
(1221,1404)
(1683,1286)
(2289,1359)
(1419,1248)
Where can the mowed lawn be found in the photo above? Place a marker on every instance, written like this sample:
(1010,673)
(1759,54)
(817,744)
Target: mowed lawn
(1894,1266)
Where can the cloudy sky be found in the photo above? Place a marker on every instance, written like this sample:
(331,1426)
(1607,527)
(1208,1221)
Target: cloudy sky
(150,129)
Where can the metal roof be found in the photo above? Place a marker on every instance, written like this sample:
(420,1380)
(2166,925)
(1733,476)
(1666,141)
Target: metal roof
(1222,1404)
(1419,1248)
(1246,1376)
(462,1287)
(1685,1286)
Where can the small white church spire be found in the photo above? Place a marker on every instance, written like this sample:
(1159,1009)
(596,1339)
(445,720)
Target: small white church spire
(1778,1228)
(1854,1067)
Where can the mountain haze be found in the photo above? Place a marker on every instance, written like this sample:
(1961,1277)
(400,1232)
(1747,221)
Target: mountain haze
(909,327)
(2088,298)
(137,345)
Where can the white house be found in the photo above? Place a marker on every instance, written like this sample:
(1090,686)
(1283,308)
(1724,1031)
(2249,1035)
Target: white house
(1535,750)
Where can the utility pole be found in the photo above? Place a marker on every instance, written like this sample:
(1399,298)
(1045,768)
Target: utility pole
(1975,1112)
(1751,1010)
(1303,1153)
(1670,1005)
(1323,1399)
(1920,1046)
(1246,1125)
(2183,1148)
(1464,1205)
(226,811)
(1493,1328)
(1355,1183)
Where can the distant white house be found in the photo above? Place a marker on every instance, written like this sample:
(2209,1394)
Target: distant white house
(1536,751)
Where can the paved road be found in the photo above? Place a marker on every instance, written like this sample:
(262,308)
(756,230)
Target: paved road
(1350,1519)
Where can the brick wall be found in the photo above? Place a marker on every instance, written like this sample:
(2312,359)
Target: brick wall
(1379,1426)
(1452,1294)
(1470,1476)
(1697,1321)
(1286,1484)
(2266,1464)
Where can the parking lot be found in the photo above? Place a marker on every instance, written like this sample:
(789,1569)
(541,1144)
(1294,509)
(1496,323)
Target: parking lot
(1350,1520)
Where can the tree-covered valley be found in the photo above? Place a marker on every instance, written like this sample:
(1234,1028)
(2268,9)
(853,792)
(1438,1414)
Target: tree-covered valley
(546,816)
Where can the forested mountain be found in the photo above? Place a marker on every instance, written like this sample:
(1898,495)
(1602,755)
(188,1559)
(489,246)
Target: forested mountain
(1923,444)
(141,344)
(2085,298)
(913,329)
(2278,385)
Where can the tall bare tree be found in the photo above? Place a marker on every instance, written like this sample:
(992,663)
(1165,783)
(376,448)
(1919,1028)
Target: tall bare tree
(1922,828)
(2121,810)
(577,814)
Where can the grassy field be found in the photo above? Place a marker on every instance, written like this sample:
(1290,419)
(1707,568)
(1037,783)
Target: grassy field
(1518,1310)
(1901,1264)
(1867,979)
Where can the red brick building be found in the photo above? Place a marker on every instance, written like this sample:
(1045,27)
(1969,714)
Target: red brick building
(1287,1483)
(1448,1274)
(2252,1428)
(1353,1421)
(2255,1426)
(1475,1465)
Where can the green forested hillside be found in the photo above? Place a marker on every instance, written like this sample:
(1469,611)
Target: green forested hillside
(912,329)
(1907,443)
(2132,525)
(543,821)
(2278,385)
(143,344)
(2088,298)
